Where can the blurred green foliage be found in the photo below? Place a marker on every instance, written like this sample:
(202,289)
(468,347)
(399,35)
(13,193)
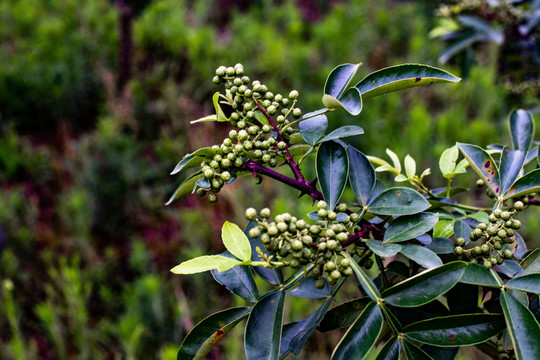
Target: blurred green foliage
(85,241)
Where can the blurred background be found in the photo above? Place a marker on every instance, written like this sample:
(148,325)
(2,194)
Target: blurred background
(95,102)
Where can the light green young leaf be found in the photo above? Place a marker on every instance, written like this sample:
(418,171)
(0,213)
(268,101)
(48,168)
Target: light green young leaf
(400,178)
(395,160)
(236,241)
(205,263)
(410,166)
(220,115)
(204,119)
(443,228)
(448,161)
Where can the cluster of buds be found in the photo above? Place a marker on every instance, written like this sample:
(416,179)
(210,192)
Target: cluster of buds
(296,243)
(495,238)
(263,126)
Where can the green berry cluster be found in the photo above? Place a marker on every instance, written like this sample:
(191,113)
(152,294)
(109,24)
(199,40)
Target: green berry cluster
(500,231)
(297,243)
(255,137)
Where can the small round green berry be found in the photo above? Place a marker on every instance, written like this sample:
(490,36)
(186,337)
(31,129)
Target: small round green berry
(238,162)
(516,224)
(485,249)
(212,198)
(342,207)
(265,213)
(482,226)
(315,229)
(458,250)
(266,129)
(507,254)
(208,173)
(497,213)
(497,245)
(330,266)
(254,232)
(230,71)
(216,79)
(282,145)
(479,182)
(225,176)
(320,284)
(251,213)
(297,113)
(342,237)
(505,215)
(519,205)
(492,218)
(460,241)
(510,233)
(477,233)
(201,192)
(273,230)
(502,234)
(335,275)
(266,158)
(293,95)
(347,271)
(487,264)
(331,215)
(322,213)
(322,204)
(280,119)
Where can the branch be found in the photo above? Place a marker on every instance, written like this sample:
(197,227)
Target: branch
(305,187)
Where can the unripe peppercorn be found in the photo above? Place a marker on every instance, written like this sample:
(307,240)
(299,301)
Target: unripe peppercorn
(497,213)
(254,232)
(230,71)
(322,204)
(482,226)
(201,192)
(319,284)
(282,227)
(342,207)
(297,245)
(342,237)
(293,95)
(265,213)
(212,198)
(518,205)
(238,162)
(477,233)
(225,176)
(251,213)
(208,173)
(331,215)
(505,215)
(460,241)
(297,112)
(347,271)
(492,218)
(485,248)
(507,254)
(315,229)
(282,145)
(458,250)
(487,264)
(273,230)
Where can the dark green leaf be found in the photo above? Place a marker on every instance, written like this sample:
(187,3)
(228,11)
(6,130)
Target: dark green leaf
(332,171)
(238,280)
(313,128)
(462,230)
(365,281)
(270,275)
(296,334)
(483,165)
(398,201)
(526,184)
(383,249)
(441,245)
(520,248)
(342,132)
(531,263)
(529,283)
(477,275)
(409,227)
(421,255)
(351,100)
(361,336)
(440,353)
(343,314)
(401,77)
(456,330)
(522,328)
(361,175)
(339,78)
(426,286)
(413,352)
(263,328)
(206,334)
(307,289)
(186,187)
(522,129)
(511,164)
(510,268)
(390,351)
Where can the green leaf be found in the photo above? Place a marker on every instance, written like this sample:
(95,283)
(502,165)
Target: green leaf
(332,171)
(529,283)
(410,227)
(483,165)
(361,336)
(531,263)
(342,132)
(460,44)
(205,119)
(426,286)
(395,160)
(343,314)
(391,350)
(456,330)
(526,184)
(512,162)
(413,352)
(339,78)
(448,161)
(236,241)
(361,175)
(300,150)
(365,282)
(263,329)
(296,334)
(189,161)
(521,126)
(410,166)
(522,327)
(351,101)
(221,117)
(441,245)
(238,280)
(206,334)
(383,249)
(205,263)
(443,228)
(186,187)
(477,275)
(401,77)
(421,255)
(462,230)
(313,128)
(398,201)
(307,289)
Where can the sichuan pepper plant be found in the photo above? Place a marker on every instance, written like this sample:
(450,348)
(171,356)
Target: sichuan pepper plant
(443,274)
